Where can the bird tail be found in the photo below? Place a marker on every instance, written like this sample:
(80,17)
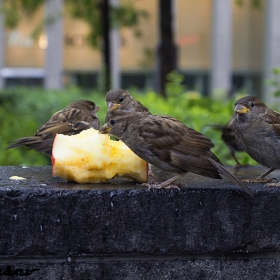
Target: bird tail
(36,143)
(230,176)
(29,142)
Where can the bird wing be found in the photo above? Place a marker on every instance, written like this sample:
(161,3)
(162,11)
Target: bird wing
(173,142)
(273,118)
(276,128)
(169,133)
(67,121)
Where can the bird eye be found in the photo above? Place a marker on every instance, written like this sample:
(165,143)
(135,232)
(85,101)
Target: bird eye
(112,122)
(252,104)
(121,99)
(93,107)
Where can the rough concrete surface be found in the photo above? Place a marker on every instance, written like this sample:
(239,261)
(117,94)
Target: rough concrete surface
(210,229)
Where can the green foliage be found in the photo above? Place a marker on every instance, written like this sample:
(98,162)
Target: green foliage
(275,81)
(90,11)
(174,87)
(13,10)
(125,15)
(23,111)
(257,4)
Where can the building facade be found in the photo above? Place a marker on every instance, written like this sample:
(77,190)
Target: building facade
(221,45)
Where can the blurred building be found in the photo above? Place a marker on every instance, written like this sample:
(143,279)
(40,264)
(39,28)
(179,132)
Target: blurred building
(238,52)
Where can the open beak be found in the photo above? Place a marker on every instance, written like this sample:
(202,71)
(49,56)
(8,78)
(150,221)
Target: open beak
(240,109)
(113,106)
(105,129)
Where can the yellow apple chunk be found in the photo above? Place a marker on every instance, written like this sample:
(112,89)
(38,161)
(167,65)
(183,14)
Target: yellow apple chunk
(90,157)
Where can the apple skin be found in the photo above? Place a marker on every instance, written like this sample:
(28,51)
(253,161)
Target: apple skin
(90,157)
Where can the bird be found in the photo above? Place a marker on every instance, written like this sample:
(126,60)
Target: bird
(257,129)
(168,144)
(229,138)
(119,100)
(79,115)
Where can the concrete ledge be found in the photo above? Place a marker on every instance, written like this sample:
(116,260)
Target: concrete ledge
(208,230)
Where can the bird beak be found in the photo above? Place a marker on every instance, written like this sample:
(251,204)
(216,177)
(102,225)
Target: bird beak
(113,106)
(105,129)
(240,109)
(97,108)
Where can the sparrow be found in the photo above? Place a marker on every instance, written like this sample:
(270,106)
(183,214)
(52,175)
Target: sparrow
(229,138)
(257,129)
(78,116)
(119,100)
(168,144)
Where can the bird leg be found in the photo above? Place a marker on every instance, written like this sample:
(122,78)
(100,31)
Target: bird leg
(238,164)
(166,184)
(261,178)
(272,184)
(150,171)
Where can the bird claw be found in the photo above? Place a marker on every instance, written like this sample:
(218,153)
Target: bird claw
(258,180)
(236,166)
(271,184)
(150,172)
(172,187)
(159,186)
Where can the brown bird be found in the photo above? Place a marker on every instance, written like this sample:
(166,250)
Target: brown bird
(229,138)
(78,116)
(119,100)
(257,129)
(168,144)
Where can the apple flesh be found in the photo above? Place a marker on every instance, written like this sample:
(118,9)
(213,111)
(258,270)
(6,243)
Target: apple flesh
(90,157)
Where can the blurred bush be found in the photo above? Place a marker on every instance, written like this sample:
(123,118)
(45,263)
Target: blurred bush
(24,110)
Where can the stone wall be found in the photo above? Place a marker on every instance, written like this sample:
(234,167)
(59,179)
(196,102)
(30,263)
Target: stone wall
(210,229)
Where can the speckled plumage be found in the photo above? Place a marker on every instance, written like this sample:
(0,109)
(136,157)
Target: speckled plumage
(78,116)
